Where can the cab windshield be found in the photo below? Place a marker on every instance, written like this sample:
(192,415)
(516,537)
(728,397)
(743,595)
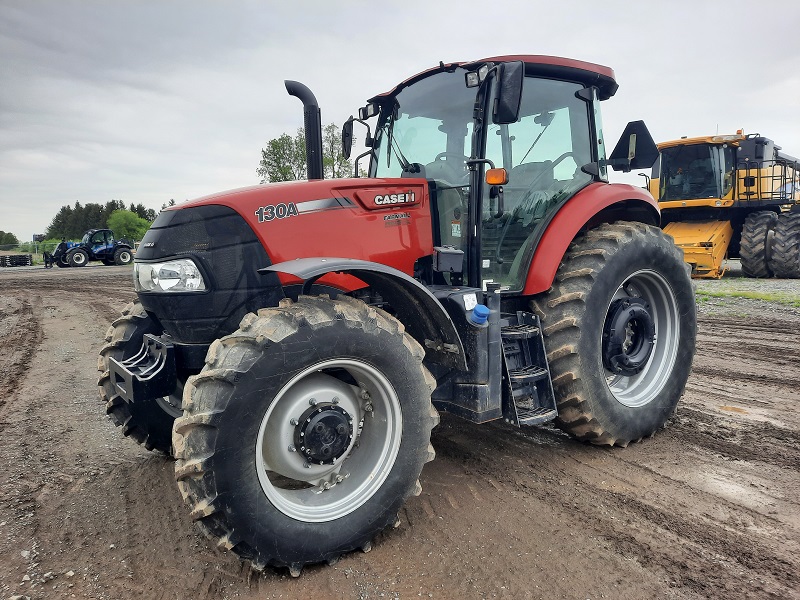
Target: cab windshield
(427,131)
(695,171)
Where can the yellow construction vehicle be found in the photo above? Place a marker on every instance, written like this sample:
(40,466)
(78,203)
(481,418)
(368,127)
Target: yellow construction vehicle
(730,196)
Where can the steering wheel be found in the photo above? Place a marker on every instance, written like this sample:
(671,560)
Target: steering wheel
(451,172)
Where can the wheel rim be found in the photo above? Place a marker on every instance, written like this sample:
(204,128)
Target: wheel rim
(360,459)
(173,404)
(641,388)
(124,258)
(78,258)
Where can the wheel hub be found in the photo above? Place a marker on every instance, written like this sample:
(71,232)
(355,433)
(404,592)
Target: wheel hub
(628,336)
(323,433)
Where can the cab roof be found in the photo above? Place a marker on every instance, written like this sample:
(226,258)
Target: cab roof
(554,67)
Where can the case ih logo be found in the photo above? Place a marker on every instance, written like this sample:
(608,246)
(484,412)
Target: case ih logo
(407,198)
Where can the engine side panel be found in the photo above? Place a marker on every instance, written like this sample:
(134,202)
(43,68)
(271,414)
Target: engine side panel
(387,221)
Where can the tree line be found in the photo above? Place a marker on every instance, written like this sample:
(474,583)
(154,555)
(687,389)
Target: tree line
(72,221)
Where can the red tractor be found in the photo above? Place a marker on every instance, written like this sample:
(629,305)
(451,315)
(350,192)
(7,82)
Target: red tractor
(293,343)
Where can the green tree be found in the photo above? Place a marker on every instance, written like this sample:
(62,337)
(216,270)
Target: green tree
(127,224)
(334,164)
(8,239)
(284,158)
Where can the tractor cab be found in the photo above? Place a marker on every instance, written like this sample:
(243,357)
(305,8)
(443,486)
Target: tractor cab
(537,120)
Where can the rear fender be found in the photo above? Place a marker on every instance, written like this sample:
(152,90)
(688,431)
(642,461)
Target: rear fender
(595,204)
(417,308)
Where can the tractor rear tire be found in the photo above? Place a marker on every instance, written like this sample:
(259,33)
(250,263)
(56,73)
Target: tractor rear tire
(305,432)
(123,256)
(755,245)
(79,258)
(785,257)
(148,423)
(609,274)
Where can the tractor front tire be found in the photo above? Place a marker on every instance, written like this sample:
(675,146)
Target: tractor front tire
(150,422)
(756,243)
(305,432)
(123,256)
(79,258)
(619,329)
(785,257)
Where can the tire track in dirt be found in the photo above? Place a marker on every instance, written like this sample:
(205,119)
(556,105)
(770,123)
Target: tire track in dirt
(758,442)
(20,336)
(651,530)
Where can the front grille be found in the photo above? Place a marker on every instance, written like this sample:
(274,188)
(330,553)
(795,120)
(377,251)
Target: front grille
(228,253)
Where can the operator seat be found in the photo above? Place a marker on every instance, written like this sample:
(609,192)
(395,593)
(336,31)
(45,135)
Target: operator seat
(524,178)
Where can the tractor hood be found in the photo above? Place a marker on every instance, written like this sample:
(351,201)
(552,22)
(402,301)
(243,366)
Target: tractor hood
(369,219)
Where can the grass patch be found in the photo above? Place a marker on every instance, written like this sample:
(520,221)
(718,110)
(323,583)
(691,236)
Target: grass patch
(776,297)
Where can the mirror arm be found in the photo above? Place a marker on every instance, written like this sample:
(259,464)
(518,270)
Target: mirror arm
(358,158)
(496,191)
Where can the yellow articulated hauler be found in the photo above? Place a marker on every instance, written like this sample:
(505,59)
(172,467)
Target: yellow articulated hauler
(730,195)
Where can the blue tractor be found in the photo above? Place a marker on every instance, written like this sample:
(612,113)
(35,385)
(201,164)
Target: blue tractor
(96,244)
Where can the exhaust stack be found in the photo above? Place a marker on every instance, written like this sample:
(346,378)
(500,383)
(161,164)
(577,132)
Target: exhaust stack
(313,127)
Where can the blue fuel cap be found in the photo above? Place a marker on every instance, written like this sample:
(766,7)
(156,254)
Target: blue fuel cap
(479,314)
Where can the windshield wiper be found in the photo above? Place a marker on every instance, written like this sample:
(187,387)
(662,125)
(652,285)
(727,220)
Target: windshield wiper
(393,145)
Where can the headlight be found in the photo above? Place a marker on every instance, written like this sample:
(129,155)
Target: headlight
(180,275)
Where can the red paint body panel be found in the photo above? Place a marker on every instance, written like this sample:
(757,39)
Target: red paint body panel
(363,230)
(359,228)
(569,220)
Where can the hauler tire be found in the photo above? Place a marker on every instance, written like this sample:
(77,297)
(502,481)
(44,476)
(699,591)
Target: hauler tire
(123,256)
(619,329)
(79,258)
(755,247)
(305,432)
(785,256)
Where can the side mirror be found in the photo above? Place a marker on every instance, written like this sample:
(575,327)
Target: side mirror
(634,150)
(509,93)
(347,137)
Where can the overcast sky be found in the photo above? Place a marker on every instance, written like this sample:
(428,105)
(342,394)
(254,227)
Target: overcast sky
(143,101)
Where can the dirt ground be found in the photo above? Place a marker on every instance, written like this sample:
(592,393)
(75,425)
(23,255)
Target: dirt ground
(708,508)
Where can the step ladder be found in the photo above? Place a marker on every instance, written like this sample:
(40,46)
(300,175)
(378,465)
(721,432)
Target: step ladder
(528,397)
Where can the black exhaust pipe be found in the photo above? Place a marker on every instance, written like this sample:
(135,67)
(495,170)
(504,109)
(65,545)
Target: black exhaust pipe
(313,127)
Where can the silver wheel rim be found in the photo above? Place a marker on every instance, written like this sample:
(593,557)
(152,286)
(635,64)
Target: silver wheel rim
(78,258)
(641,389)
(313,492)
(124,258)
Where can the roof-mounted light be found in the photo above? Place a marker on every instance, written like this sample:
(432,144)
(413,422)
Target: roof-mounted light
(475,78)
(370,110)
(728,138)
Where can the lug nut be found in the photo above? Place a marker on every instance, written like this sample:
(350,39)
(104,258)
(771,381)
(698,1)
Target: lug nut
(292,449)
(312,401)
(335,400)
(293,421)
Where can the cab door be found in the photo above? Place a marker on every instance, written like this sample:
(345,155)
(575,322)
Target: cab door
(543,153)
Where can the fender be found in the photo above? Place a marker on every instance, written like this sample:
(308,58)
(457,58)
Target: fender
(417,308)
(597,203)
